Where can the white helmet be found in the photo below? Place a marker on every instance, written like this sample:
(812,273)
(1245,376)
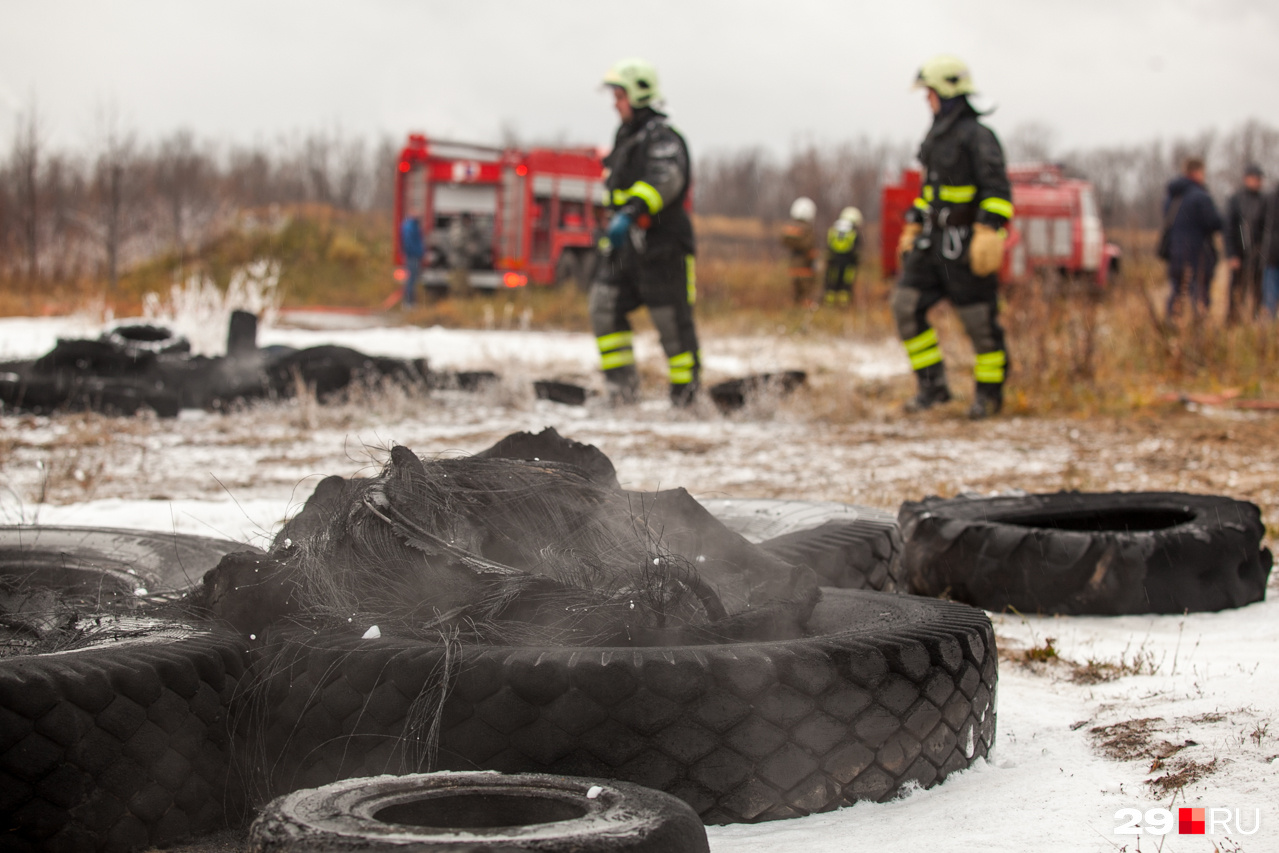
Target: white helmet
(851,215)
(804,209)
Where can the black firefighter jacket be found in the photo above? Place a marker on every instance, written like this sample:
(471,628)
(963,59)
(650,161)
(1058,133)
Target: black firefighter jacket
(648,178)
(965,179)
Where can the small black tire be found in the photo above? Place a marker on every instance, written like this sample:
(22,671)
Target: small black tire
(467,812)
(125,744)
(851,547)
(1096,553)
(888,692)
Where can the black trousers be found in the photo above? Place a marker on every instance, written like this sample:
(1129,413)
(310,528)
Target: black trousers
(941,271)
(661,277)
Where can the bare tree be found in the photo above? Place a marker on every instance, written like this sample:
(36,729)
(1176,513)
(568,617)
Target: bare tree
(25,161)
(115,179)
(183,178)
(1030,142)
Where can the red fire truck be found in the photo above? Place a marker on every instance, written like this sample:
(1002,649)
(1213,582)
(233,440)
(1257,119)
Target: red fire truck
(1056,227)
(508,216)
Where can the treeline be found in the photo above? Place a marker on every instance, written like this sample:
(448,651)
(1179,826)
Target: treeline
(96,211)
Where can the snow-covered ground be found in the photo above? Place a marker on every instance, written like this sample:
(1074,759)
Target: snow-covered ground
(1189,695)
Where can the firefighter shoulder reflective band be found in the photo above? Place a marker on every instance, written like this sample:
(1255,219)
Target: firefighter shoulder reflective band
(923,350)
(989,367)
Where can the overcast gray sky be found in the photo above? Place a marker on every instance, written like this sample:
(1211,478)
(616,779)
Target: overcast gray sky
(736,72)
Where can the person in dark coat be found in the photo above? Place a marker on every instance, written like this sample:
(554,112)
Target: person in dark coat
(1192,219)
(1270,255)
(1245,226)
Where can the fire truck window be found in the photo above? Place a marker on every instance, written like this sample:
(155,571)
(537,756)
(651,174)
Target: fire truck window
(1063,234)
(572,215)
(1087,204)
(1036,236)
(540,250)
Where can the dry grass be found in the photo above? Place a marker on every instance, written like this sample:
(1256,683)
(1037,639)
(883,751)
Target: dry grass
(1073,350)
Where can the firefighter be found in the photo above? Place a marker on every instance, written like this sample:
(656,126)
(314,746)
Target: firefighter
(798,239)
(646,253)
(952,244)
(841,257)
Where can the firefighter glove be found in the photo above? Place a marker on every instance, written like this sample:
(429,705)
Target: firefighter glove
(619,227)
(906,242)
(986,251)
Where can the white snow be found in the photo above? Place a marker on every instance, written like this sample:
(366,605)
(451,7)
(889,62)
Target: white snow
(1208,678)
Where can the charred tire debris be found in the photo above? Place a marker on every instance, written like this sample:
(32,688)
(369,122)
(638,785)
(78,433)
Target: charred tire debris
(124,744)
(443,812)
(1077,553)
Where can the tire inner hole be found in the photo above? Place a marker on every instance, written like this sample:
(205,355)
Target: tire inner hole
(1106,520)
(467,810)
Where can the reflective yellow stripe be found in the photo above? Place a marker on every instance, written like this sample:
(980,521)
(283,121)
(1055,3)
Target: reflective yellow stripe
(921,342)
(928,193)
(926,358)
(619,358)
(998,206)
(690,274)
(616,340)
(650,195)
(684,359)
(682,376)
(989,367)
(920,204)
(620,197)
(958,195)
(923,350)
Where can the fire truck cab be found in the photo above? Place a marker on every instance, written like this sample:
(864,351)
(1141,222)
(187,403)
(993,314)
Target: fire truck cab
(506,216)
(1056,227)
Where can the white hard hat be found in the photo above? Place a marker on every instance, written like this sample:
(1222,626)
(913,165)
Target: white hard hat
(851,214)
(804,209)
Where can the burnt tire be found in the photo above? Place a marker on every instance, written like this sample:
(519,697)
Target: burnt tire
(851,547)
(125,744)
(462,812)
(1075,553)
(889,691)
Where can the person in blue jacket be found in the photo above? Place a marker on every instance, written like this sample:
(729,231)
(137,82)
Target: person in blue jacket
(413,245)
(1192,220)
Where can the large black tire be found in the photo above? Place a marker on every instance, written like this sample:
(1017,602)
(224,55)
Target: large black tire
(888,691)
(1072,552)
(468,812)
(852,547)
(124,744)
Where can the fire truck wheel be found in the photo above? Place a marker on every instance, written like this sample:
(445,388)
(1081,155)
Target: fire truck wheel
(887,692)
(568,268)
(852,547)
(122,743)
(443,812)
(1071,552)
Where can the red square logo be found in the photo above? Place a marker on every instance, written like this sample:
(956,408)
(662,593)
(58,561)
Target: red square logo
(1190,821)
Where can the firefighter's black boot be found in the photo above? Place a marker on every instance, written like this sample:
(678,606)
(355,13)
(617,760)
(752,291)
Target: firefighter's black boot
(988,400)
(622,384)
(932,389)
(682,396)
